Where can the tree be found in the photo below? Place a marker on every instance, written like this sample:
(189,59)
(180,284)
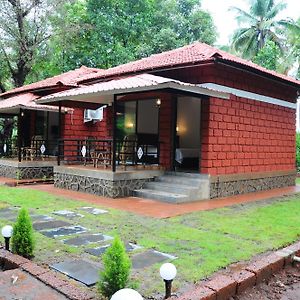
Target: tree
(116,269)
(268,56)
(24,28)
(22,238)
(261,24)
(112,32)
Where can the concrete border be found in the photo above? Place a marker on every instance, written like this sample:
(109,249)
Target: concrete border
(222,287)
(49,277)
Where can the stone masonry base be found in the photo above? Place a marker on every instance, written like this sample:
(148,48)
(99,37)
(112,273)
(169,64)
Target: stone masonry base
(102,183)
(26,171)
(230,185)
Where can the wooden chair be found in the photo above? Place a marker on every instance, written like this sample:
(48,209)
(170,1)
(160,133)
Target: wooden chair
(101,155)
(30,153)
(128,149)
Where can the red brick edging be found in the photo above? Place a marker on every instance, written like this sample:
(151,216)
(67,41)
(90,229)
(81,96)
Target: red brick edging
(222,287)
(48,277)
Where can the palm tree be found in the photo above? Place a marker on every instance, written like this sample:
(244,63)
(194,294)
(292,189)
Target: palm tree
(260,25)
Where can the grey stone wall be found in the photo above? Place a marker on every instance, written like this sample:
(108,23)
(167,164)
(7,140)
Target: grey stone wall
(98,186)
(23,172)
(235,187)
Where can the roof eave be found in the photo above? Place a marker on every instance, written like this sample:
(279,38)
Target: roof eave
(258,72)
(147,70)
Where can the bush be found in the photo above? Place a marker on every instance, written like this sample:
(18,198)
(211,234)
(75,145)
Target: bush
(116,269)
(22,238)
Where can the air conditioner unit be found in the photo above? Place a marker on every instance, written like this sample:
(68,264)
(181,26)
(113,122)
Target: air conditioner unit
(93,115)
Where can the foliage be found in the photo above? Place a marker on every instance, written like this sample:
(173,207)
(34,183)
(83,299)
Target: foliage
(268,56)
(116,269)
(24,30)
(260,25)
(22,238)
(291,59)
(108,33)
(298,151)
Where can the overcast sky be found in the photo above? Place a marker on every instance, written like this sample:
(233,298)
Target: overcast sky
(225,20)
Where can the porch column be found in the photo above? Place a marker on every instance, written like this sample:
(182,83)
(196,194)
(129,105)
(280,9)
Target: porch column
(173,130)
(59,133)
(20,116)
(114,132)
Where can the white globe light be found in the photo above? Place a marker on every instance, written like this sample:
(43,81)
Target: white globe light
(126,294)
(7,231)
(168,271)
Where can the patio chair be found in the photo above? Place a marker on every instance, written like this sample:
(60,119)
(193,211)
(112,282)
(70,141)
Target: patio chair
(128,150)
(30,153)
(100,154)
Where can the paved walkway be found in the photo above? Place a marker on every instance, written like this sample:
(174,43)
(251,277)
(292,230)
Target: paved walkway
(25,287)
(152,208)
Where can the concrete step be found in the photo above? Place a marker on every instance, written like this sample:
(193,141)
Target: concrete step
(160,195)
(196,182)
(171,187)
(189,175)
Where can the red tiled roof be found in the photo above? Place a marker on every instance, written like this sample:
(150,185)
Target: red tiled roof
(187,55)
(26,100)
(70,78)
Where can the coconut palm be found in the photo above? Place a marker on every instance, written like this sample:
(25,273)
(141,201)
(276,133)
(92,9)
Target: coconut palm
(259,25)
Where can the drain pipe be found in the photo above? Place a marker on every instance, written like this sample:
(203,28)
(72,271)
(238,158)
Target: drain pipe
(296,258)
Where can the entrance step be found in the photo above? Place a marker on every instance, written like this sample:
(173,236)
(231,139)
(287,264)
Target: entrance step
(176,187)
(160,195)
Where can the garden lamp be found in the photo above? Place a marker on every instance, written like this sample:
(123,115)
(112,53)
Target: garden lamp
(168,273)
(7,231)
(126,294)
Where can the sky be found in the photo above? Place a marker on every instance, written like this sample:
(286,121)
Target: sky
(225,20)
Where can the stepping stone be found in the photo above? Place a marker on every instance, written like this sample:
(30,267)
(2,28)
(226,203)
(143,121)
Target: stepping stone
(94,211)
(97,251)
(100,250)
(50,224)
(62,231)
(86,239)
(40,218)
(9,212)
(79,270)
(68,214)
(132,247)
(148,258)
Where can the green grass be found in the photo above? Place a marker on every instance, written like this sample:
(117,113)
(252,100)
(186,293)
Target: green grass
(203,241)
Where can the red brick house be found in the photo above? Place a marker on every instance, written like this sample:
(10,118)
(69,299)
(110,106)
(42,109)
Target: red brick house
(231,120)
(227,123)
(37,125)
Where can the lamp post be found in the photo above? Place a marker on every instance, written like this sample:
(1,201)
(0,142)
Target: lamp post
(168,273)
(126,294)
(7,231)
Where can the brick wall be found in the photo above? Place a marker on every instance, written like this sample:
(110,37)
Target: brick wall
(245,136)
(165,131)
(75,128)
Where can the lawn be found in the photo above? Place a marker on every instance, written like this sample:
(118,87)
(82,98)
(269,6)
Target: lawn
(203,241)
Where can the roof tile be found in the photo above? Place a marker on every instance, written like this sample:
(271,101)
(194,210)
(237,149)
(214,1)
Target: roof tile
(190,54)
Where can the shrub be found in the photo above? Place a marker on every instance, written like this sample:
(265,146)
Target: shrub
(22,238)
(116,269)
